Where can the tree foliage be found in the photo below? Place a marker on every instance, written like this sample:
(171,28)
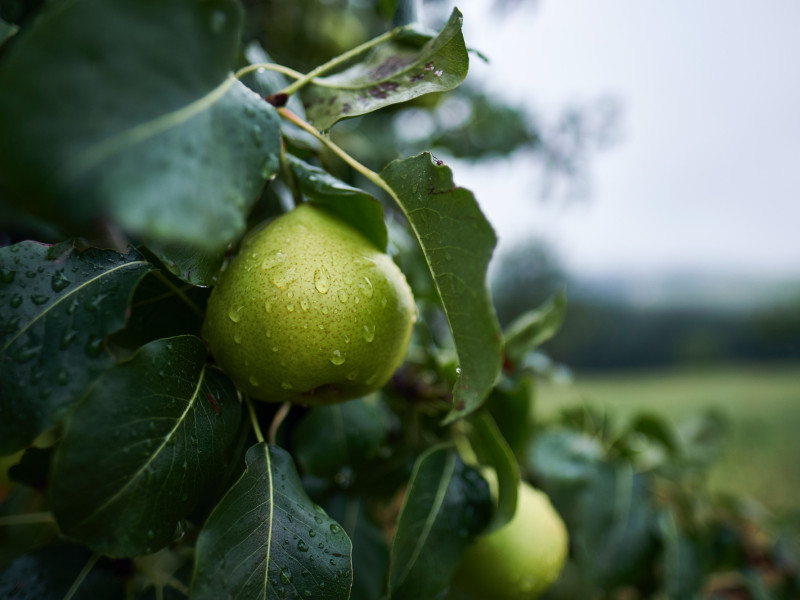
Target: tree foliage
(140,141)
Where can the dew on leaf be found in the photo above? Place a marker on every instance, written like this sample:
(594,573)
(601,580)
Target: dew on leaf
(7,275)
(94,346)
(16,300)
(286,576)
(59,281)
(302,546)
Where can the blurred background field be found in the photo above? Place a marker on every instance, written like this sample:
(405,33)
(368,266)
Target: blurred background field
(760,403)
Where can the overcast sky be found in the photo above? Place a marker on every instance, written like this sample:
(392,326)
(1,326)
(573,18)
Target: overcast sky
(706,175)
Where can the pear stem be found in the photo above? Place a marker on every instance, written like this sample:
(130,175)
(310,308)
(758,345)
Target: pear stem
(254,420)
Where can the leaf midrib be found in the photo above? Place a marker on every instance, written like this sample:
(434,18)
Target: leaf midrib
(100,151)
(441,491)
(153,456)
(69,294)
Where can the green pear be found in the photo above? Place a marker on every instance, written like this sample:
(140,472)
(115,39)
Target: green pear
(309,311)
(520,560)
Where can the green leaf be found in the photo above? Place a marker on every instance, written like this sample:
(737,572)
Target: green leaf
(564,457)
(158,311)
(395,71)
(339,436)
(7,30)
(493,451)
(682,561)
(446,505)
(458,243)
(189,263)
(266,539)
(532,329)
(49,573)
(370,547)
(58,305)
(511,404)
(165,422)
(613,537)
(351,204)
(139,120)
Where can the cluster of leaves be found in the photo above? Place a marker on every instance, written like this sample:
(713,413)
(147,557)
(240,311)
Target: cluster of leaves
(641,518)
(138,470)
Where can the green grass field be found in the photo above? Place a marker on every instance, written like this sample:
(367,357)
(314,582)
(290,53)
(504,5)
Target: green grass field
(762,456)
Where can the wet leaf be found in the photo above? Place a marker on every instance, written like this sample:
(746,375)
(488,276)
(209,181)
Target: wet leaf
(349,203)
(339,436)
(446,505)
(266,539)
(190,263)
(165,421)
(511,405)
(458,243)
(395,71)
(58,305)
(532,329)
(165,143)
(370,546)
(493,451)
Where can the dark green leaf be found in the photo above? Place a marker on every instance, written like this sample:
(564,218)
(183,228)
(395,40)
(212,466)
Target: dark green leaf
(49,573)
(128,125)
(393,72)
(158,311)
(446,505)
(458,243)
(265,539)
(370,546)
(511,404)
(564,457)
(613,535)
(493,451)
(349,203)
(165,422)
(339,436)
(534,328)
(683,574)
(58,305)
(7,30)
(190,263)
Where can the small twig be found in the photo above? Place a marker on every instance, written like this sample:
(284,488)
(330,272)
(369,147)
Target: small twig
(27,519)
(254,419)
(279,418)
(365,171)
(268,67)
(341,59)
(81,576)
(178,292)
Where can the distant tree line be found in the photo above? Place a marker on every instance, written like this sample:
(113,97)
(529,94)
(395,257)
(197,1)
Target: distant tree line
(607,334)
